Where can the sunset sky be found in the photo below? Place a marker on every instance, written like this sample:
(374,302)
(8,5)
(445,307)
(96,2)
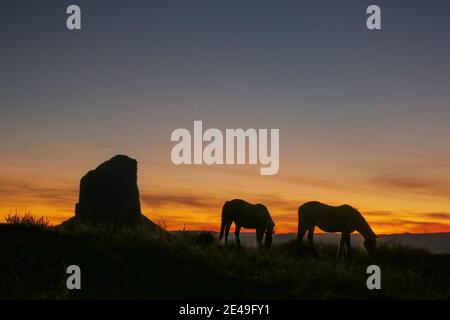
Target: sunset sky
(364,116)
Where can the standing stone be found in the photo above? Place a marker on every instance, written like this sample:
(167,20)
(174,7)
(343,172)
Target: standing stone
(110,193)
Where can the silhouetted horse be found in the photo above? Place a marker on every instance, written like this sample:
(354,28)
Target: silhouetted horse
(249,216)
(344,219)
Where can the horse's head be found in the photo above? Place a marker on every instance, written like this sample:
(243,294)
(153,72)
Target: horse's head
(269,224)
(370,244)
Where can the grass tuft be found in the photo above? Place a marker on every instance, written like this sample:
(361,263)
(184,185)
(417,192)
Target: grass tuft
(27,219)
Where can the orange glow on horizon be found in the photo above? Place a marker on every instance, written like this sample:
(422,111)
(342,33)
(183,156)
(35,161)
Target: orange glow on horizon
(200,220)
(386,209)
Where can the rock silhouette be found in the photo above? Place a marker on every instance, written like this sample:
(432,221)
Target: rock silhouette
(109,194)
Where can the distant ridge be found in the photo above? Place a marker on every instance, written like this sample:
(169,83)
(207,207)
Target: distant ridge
(438,243)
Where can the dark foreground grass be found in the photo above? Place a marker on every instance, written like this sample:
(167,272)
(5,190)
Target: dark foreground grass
(123,263)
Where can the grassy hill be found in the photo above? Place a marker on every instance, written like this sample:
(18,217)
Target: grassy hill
(134,263)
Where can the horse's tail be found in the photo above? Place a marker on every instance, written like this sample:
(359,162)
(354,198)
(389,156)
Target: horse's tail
(223,224)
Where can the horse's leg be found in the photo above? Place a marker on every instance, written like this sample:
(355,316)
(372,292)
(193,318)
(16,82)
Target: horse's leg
(301,232)
(300,235)
(341,246)
(348,245)
(237,230)
(259,236)
(311,241)
(227,231)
